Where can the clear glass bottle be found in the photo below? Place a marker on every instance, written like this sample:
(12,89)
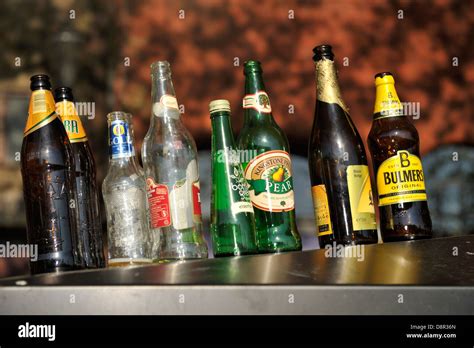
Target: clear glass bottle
(124,191)
(170,164)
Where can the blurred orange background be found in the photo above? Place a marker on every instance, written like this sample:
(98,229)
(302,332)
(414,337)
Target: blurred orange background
(103,50)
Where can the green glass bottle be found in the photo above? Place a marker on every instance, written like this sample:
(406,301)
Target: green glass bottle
(267,167)
(232,214)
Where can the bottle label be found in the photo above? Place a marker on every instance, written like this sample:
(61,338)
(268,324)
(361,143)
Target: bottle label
(238,185)
(181,204)
(327,86)
(158,201)
(41,111)
(169,101)
(400,179)
(167,106)
(197,202)
(271,182)
(71,121)
(121,145)
(360,197)
(387,103)
(321,210)
(258,101)
(241,207)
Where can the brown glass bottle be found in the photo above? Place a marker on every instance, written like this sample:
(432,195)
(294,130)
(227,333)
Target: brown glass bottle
(394,145)
(90,228)
(47,167)
(340,180)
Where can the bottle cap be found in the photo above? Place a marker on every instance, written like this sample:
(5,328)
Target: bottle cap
(323,51)
(40,81)
(252,66)
(219,105)
(161,68)
(63,93)
(384,78)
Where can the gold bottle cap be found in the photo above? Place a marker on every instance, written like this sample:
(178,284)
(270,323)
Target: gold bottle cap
(219,105)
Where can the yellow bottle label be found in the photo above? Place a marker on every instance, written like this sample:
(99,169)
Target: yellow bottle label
(387,103)
(41,111)
(321,210)
(360,197)
(71,121)
(400,179)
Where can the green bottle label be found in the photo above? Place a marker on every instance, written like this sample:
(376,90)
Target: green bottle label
(271,182)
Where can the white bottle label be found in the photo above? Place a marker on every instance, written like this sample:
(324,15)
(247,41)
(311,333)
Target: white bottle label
(181,198)
(258,101)
(167,106)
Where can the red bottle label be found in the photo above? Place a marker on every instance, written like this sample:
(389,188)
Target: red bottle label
(158,200)
(197,200)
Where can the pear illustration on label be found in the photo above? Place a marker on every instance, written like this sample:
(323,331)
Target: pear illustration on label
(271,182)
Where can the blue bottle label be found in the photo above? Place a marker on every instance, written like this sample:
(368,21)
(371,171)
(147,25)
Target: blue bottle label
(120,141)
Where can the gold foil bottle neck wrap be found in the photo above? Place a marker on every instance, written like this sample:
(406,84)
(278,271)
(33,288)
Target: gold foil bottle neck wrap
(326,83)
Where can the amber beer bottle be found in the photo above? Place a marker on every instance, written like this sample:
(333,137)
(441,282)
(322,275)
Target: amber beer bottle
(340,180)
(47,167)
(394,146)
(90,228)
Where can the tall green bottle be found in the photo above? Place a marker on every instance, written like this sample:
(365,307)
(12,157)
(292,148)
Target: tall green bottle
(232,215)
(267,167)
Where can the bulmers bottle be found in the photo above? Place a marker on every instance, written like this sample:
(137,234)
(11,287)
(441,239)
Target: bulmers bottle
(90,228)
(232,215)
(394,146)
(170,163)
(47,167)
(124,191)
(267,165)
(340,180)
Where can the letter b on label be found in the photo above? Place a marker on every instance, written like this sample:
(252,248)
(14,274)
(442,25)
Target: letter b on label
(404,161)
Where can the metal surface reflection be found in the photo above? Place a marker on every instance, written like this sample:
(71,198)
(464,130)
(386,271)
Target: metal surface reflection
(424,262)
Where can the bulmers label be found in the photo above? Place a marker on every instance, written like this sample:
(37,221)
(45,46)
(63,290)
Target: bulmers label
(258,101)
(321,210)
(360,197)
(400,179)
(42,111)
(271,182)
(71,121)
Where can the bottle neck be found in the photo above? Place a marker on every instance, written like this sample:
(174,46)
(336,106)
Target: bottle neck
(327,84)
(121,143)
(387,103)
(164,103)
(41,110)
(256,103)
(222,137)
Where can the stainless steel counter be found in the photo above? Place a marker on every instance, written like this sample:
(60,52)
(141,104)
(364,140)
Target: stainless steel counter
(422,277)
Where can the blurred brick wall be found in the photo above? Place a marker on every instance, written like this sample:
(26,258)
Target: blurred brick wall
(202,39)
